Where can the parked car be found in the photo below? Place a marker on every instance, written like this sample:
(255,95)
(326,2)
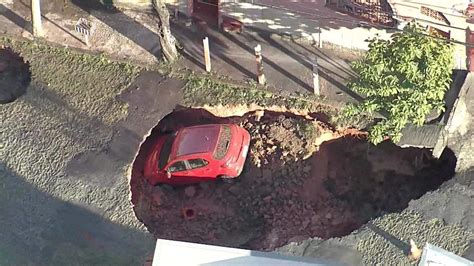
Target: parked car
(197,153)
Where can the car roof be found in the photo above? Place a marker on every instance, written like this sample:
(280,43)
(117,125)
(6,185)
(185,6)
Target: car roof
(196,139)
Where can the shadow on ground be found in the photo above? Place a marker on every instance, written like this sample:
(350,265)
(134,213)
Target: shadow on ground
(38,229)
(287,65)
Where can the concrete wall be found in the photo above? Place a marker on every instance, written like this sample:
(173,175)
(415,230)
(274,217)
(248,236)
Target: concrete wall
(138,4)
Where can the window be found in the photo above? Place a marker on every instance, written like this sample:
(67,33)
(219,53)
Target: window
(197,163)
(177,167)
(434,14)
(437,32)
(165,151)
(223,143)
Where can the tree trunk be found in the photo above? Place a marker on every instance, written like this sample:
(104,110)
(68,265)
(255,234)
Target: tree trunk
(167,40)
(36,18)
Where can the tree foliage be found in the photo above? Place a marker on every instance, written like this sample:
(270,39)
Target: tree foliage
(404,79)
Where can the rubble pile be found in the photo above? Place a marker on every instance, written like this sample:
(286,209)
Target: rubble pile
(281,138)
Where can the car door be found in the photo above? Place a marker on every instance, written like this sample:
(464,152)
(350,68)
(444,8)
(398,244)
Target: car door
(178,171)
(200,168)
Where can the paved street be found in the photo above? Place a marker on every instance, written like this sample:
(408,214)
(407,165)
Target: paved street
(66,146)
(65,197)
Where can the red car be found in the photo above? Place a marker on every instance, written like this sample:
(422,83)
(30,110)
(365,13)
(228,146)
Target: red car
(198,153)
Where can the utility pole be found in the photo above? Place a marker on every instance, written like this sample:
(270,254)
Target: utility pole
(36,18)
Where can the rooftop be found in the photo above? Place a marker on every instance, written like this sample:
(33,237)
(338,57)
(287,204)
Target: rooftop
(197,139)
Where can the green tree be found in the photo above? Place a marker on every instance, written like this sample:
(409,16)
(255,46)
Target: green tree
(404,79)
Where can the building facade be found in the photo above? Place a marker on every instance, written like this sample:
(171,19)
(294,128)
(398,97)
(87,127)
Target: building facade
(448,19)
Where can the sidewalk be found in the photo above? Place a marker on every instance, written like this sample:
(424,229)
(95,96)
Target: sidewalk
(287,65)
(132,35)
(125,35)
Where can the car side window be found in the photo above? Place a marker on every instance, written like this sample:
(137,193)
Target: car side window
(177,167)
(197,163)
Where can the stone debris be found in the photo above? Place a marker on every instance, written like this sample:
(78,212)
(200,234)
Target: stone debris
(190,191)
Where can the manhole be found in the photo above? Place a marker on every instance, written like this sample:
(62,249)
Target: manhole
(284,193)
(15,75)
(189,213)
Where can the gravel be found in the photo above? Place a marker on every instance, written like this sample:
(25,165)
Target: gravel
(388,237)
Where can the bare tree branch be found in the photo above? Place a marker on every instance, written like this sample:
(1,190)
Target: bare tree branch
(167,40)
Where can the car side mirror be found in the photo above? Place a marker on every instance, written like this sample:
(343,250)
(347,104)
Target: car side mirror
(168,173)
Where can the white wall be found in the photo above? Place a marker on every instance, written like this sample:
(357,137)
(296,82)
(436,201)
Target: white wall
(171,253)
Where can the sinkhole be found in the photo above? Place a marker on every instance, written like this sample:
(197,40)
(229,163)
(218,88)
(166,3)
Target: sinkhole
(15,75)
(301,179)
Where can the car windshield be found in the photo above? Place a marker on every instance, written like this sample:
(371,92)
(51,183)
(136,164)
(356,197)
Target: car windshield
(165,151)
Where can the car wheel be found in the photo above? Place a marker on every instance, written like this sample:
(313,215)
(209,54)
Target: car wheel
(227,179)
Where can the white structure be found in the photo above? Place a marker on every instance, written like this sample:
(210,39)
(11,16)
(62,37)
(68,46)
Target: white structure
(172,253)
(433,255)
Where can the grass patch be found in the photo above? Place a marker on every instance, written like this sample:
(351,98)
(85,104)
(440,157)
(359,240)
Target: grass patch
(201,90)
(204,89)
(85,83)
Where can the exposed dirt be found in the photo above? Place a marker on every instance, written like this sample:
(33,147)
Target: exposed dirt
(294,185)
(15,75)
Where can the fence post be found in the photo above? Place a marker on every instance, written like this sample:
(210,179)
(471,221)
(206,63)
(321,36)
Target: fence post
(207,54)
(314,62)
(219,14)
(36,18)
(320,42)
(258,58)
(342,40)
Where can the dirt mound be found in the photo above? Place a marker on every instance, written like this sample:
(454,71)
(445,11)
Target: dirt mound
(282,138)
(15,75)
(293,186)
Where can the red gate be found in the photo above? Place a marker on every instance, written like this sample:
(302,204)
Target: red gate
(206,10)
(470,49)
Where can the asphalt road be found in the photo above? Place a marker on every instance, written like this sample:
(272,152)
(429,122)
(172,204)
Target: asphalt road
(64,192)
